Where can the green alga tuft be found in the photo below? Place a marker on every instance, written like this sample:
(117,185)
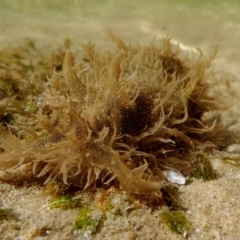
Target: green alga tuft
(176,221)
(118,205)
(202,169)
(88,220)
(6,214)
(65,202)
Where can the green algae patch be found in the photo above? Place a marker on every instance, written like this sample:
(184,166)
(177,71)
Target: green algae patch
(203,169)
(118,205)
(176,221)
(65,202)
(6,214)
(88,221)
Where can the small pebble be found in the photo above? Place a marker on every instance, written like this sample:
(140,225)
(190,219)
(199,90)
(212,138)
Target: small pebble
(174,176)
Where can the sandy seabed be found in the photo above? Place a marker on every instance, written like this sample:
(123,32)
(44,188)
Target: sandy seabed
(212,207)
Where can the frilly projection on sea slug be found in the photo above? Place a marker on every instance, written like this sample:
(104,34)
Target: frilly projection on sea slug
(122,116)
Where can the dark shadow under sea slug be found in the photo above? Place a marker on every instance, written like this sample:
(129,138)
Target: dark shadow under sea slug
(128,115)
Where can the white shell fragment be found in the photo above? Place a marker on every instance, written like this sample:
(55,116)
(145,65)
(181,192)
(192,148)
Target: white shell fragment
(174,176)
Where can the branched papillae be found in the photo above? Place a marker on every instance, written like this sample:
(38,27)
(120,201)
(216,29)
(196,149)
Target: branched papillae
(127,114)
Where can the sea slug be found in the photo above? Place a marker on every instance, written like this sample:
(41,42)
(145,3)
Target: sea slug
(126,115)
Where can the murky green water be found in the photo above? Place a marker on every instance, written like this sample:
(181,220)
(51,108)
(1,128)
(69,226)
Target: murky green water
(194,23)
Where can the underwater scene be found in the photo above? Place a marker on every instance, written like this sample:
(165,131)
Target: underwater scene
(119,119)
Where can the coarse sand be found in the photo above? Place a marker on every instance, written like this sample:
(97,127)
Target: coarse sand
(212,207)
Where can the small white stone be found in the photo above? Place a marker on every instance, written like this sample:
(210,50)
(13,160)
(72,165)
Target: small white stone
(174,176)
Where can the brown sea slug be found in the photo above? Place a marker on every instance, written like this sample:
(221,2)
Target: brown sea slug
(126,114)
